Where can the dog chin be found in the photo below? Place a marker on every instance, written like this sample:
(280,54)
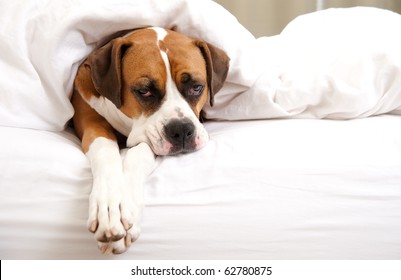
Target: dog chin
(168,149)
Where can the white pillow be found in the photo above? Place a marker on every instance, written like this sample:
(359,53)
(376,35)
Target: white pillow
(335,63)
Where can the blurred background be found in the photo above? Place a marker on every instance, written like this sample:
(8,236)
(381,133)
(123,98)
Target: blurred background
(269,17)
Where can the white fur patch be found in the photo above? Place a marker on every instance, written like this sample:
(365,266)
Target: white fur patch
(161,33)
(108,190)
(112,114)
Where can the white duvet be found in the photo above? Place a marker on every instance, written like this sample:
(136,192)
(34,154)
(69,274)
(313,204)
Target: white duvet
(340,63)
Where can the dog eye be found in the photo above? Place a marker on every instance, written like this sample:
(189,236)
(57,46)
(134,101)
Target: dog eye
(196,90)
(144,92)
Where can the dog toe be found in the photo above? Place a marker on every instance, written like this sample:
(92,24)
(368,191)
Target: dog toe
(119,247)
(134,233)
(118,251)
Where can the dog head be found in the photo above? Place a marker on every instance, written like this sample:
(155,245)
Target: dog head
(154,84)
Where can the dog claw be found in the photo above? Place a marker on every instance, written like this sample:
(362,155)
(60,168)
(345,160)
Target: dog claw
(118,252)
(128,240)
(126,224)
(116,235)
(93,226)
(105,237)
(103,247)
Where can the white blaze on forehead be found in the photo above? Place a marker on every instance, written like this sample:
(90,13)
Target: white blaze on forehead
(174,99)
(161,33)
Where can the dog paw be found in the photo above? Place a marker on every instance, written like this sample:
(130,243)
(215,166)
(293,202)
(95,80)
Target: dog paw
(110,214)
(122,245)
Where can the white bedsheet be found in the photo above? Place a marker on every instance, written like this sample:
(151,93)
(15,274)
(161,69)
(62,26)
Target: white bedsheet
(278,189)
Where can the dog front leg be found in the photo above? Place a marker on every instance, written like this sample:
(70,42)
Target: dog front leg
(108,218)
(138,163)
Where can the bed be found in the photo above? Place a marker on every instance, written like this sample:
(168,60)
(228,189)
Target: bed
(304,158)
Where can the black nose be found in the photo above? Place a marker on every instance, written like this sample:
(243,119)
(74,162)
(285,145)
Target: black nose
(180,133)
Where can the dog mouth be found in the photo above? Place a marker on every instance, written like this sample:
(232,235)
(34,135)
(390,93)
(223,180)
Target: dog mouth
(187,148)
(165,148)
(176,137)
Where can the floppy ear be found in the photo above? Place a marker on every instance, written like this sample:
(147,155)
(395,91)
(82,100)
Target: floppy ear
(217,64)
(105,64)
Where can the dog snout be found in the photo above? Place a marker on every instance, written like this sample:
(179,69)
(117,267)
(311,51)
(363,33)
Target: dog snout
(181,134)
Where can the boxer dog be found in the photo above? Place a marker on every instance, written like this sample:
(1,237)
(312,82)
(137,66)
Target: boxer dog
(150,86)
